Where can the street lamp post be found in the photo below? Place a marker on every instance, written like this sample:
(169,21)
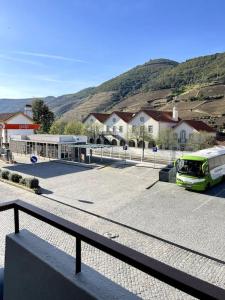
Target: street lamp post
(143,144)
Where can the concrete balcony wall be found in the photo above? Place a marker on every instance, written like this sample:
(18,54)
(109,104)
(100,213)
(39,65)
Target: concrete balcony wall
(1,283)
(36,270)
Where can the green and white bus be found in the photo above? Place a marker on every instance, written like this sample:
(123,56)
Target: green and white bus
(202,169)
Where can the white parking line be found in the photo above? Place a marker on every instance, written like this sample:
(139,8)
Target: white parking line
(207,201)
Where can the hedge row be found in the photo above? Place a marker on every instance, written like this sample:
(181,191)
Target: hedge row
(32,183)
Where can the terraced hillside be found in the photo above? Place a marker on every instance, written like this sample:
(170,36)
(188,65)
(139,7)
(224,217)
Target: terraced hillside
(196,86)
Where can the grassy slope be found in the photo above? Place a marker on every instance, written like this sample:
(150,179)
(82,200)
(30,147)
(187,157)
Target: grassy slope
(151,85)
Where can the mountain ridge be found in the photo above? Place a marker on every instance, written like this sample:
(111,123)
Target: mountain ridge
(156,84)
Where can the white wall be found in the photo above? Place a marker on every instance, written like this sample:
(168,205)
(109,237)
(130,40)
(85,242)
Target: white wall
(116,122)
(189,130)
(148,121)
(92,121)
(18,119)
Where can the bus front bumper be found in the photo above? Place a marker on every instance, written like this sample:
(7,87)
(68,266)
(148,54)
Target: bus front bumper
(199,186)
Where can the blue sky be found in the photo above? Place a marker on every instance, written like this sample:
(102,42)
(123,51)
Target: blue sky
(54,47)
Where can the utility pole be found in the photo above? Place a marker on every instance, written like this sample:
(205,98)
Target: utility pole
(143,144)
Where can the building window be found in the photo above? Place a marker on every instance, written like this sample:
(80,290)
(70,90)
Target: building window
(142,119)
(150,129)
(121,128)
(91,120)
(114,129)
(114,120)
(107,128)
(133,128)
(183,136)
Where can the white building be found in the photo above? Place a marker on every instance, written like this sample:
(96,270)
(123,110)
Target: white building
(151,122)
(47,145)
(95,123)
(117,127)
(189,129)
(96,120)
(16,123)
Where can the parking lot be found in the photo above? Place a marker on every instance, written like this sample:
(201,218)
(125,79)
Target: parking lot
(129,202)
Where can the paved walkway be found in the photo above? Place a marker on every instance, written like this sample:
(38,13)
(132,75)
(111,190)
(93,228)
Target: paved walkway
(191,219)
(131,279)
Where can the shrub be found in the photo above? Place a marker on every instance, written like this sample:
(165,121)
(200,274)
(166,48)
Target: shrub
(37,190)
(14,177)
(5,174)
(22,181)
(32,183)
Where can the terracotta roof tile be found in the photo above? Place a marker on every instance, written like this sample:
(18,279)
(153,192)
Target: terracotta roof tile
(126,116)
(161,116)
(6,116)
(198,125)
(99,116)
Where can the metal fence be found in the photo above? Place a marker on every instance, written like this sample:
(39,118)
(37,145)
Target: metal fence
(165,273)
(136,154)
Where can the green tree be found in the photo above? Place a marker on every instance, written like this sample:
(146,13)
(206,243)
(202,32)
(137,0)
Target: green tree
(201,140)
(75,127)
(93,130)
(58,127)
(167,139)
(140,133)
(42,115)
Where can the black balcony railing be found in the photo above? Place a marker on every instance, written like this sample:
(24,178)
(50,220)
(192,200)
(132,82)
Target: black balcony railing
(165,273)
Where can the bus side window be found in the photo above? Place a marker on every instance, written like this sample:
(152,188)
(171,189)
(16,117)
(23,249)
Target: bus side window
(223,159)
(211,163)
(217,161)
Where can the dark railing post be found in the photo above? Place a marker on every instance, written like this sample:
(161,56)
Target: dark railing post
(78,255)
(16,220)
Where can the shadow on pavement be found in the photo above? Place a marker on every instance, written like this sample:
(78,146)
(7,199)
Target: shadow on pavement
(46,192)
(86,201)
(46,169)
(122,165)
(217,190)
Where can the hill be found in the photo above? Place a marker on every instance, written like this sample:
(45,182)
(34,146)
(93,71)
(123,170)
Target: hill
(197,86)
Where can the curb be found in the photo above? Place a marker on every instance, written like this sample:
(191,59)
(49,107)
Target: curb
(19,186)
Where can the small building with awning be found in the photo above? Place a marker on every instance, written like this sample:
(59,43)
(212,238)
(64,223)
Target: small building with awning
(17,123)
(59,147)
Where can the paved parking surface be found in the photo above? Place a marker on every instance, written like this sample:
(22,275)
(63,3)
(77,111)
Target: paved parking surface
(99,190)
(119,193)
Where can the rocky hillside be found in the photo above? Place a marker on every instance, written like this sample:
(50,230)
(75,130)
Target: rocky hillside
(197,86)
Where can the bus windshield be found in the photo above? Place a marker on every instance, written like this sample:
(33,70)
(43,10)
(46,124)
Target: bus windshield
(190,167)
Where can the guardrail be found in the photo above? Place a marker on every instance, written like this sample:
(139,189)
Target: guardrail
(165,273)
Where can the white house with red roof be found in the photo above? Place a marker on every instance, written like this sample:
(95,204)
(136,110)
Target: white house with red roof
(154,121)
(16,123)
(119,128)
(96,119)
(95,123)
(187,129)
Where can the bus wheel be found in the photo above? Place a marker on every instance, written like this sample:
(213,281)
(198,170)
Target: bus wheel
(208,186)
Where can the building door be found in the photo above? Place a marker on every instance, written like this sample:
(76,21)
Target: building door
(183,136)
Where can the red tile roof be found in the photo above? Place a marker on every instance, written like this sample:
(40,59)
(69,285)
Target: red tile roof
(99,116)
(6,116)
(126,116)
(161,116)
(198,125)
